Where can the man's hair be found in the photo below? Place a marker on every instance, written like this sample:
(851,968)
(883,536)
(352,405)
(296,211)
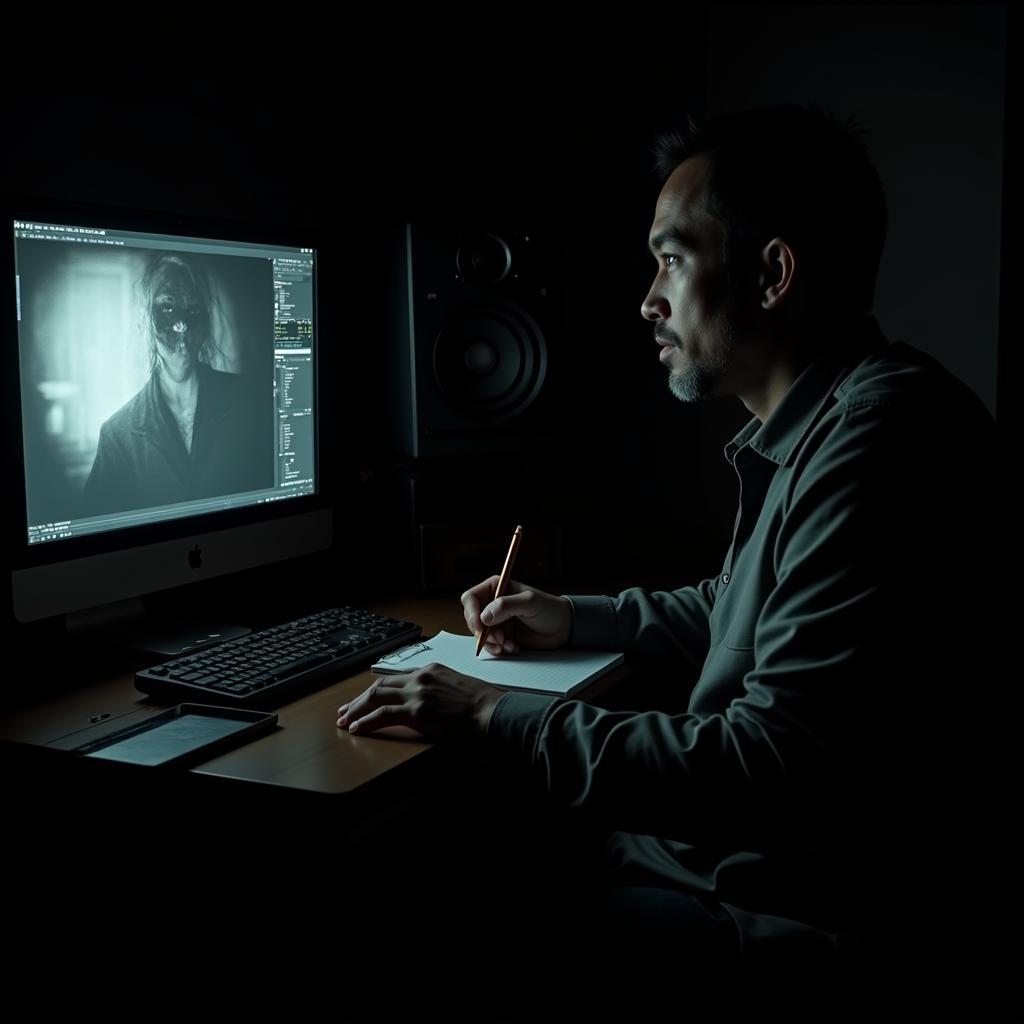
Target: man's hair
(796,173)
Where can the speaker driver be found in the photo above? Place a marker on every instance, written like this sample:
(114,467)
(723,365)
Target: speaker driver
(483,259)
(491,362)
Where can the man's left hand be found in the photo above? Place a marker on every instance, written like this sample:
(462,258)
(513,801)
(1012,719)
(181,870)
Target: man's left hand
(434,700)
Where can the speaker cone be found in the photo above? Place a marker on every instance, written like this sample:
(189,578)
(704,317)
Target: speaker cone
(491,361)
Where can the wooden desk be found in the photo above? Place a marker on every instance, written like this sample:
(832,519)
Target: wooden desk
(308,753)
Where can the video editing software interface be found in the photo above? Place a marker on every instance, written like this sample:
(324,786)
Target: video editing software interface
(162,376)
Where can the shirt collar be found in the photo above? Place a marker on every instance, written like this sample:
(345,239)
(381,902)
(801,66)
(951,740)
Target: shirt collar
(780,435)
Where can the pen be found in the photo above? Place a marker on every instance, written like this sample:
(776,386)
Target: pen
(506,572)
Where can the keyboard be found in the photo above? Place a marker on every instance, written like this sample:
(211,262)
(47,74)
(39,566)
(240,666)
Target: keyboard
(272,666)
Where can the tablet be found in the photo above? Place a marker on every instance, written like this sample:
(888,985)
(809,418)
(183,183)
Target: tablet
(184,734)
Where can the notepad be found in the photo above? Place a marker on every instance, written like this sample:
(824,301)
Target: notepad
(558,673)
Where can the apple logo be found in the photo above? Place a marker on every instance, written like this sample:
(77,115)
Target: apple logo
(195,557)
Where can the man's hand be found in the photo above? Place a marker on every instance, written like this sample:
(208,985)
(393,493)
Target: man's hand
(433,700)
(524,617)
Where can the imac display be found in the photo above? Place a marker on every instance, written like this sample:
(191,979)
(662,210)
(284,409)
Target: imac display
(168,405)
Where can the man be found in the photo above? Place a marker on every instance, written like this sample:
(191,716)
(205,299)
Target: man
(191,431)
(827,790)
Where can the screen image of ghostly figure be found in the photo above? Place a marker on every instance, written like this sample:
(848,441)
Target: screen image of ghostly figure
(192,431)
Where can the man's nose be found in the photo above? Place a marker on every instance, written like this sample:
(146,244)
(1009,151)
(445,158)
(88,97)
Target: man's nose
(655,306)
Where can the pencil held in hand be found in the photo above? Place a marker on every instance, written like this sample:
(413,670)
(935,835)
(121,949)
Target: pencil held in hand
(506,575)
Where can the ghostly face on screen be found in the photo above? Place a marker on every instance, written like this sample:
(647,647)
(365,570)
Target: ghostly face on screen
(178,313)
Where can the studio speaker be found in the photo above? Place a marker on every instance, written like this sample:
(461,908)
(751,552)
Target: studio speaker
(474,342)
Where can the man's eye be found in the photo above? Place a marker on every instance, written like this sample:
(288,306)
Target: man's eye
(669,256)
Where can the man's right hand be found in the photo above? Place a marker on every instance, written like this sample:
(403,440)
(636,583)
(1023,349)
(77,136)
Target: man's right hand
(523,617)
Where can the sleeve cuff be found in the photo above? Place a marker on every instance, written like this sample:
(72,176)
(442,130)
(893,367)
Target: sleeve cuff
(516,721)
(595,625)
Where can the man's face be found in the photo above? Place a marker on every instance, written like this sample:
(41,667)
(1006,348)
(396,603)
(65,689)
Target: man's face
(690,302)
(179,323)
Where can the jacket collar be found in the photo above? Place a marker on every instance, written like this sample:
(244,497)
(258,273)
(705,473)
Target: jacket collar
(779,437)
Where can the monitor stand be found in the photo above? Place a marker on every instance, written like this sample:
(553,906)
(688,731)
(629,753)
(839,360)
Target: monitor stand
(128,624)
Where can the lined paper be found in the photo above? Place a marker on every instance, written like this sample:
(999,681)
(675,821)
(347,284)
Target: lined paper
(559,673)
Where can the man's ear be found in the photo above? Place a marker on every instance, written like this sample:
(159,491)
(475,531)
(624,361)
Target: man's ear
(778,273)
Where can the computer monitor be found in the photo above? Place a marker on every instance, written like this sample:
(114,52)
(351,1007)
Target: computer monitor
(166,411)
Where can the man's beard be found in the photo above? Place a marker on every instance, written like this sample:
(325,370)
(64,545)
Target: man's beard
(700,380)
(693,384)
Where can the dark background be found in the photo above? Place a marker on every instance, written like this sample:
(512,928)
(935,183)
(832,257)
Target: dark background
(352,130)
(349,125)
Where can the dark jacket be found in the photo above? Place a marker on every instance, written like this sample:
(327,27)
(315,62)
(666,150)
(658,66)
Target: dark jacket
(837,767)
(141,460)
